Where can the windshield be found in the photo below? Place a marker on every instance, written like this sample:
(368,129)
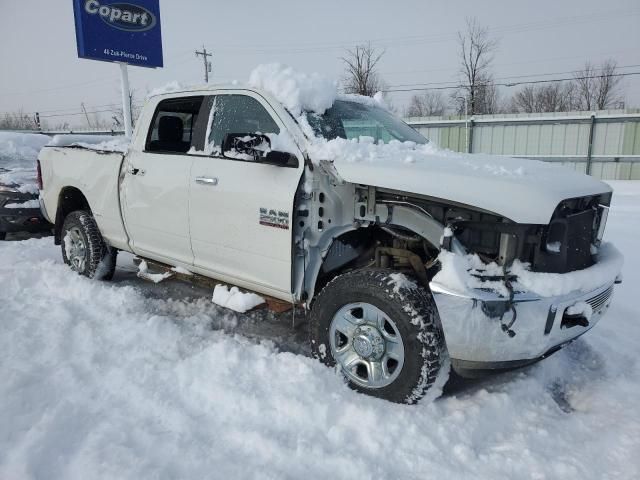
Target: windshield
(347,119)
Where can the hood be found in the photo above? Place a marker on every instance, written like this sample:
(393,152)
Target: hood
(525,191)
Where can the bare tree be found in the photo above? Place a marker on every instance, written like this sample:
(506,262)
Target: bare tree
(487,98)
(18,121)
(118,114)
(361,76)
(476,56)
(552,97)
(597,87)
(426,105)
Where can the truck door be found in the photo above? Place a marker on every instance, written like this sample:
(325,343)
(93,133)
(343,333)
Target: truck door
(240,210)
(156,183)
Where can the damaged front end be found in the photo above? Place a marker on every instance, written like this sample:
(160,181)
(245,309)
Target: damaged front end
(526,290)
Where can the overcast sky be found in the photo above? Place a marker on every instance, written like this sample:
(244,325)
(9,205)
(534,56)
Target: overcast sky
(40,70)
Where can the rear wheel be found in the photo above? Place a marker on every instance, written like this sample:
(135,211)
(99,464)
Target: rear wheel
(84,249)
(383,331)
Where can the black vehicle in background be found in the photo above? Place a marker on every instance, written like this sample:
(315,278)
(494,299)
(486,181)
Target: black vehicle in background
(19,209)
(19,206)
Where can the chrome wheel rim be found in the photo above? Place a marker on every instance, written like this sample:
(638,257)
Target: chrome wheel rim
(367,345)
(76,250)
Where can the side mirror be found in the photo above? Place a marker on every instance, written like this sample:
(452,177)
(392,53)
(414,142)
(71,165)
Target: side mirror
(245,146)
(255,147)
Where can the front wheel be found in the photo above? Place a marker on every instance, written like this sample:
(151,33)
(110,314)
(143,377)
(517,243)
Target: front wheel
(383,331)
(84,249)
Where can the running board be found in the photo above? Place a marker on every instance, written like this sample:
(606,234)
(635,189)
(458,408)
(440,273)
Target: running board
(273,304)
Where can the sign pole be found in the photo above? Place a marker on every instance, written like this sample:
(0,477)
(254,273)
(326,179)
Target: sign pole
(126,100)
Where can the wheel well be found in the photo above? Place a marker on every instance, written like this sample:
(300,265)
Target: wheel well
(69,200)
(380,246)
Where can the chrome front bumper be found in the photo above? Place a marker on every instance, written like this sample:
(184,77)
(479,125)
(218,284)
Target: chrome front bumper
(473,324)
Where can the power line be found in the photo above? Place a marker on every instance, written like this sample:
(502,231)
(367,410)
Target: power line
(512,76)
(510,84)
(426,87)
(110,110)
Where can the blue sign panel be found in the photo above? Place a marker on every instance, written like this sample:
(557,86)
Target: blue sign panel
(119,31)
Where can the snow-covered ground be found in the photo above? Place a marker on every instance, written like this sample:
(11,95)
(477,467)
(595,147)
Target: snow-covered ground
(115,380)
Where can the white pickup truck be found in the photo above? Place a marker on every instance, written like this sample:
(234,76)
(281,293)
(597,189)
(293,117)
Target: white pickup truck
(409,259)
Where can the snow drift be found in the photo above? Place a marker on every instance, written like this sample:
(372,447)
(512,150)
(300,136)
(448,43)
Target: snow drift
(18,155)
(101,381)
(20,150)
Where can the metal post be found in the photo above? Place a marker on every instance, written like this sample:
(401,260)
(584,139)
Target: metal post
(590,147)
(466,123)
(126,100)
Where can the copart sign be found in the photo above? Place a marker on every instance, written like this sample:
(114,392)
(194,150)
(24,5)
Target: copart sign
(117,31)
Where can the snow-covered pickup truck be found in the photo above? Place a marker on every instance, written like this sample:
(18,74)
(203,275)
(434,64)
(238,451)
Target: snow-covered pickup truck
(409,259)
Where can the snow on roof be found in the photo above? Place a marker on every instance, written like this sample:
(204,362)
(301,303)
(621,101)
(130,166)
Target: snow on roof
(297,91)
(170,87)
(376,101)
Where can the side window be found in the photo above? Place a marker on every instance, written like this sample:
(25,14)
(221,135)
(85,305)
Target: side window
(173,124)
(238,114)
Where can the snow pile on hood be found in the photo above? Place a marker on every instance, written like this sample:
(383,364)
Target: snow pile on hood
(20,149)
(523,190)
(364,149)
(102,143)
(460,273)
(298,92)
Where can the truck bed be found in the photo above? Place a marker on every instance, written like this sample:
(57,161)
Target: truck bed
(95,173)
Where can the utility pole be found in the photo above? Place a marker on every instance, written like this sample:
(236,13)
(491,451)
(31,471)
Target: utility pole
(207,63)
(86,115)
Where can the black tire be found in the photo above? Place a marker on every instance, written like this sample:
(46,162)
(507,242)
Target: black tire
(100,258)
(413,310)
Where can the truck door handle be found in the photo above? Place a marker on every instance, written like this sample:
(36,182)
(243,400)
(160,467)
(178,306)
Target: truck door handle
(136,171)
(207,181)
